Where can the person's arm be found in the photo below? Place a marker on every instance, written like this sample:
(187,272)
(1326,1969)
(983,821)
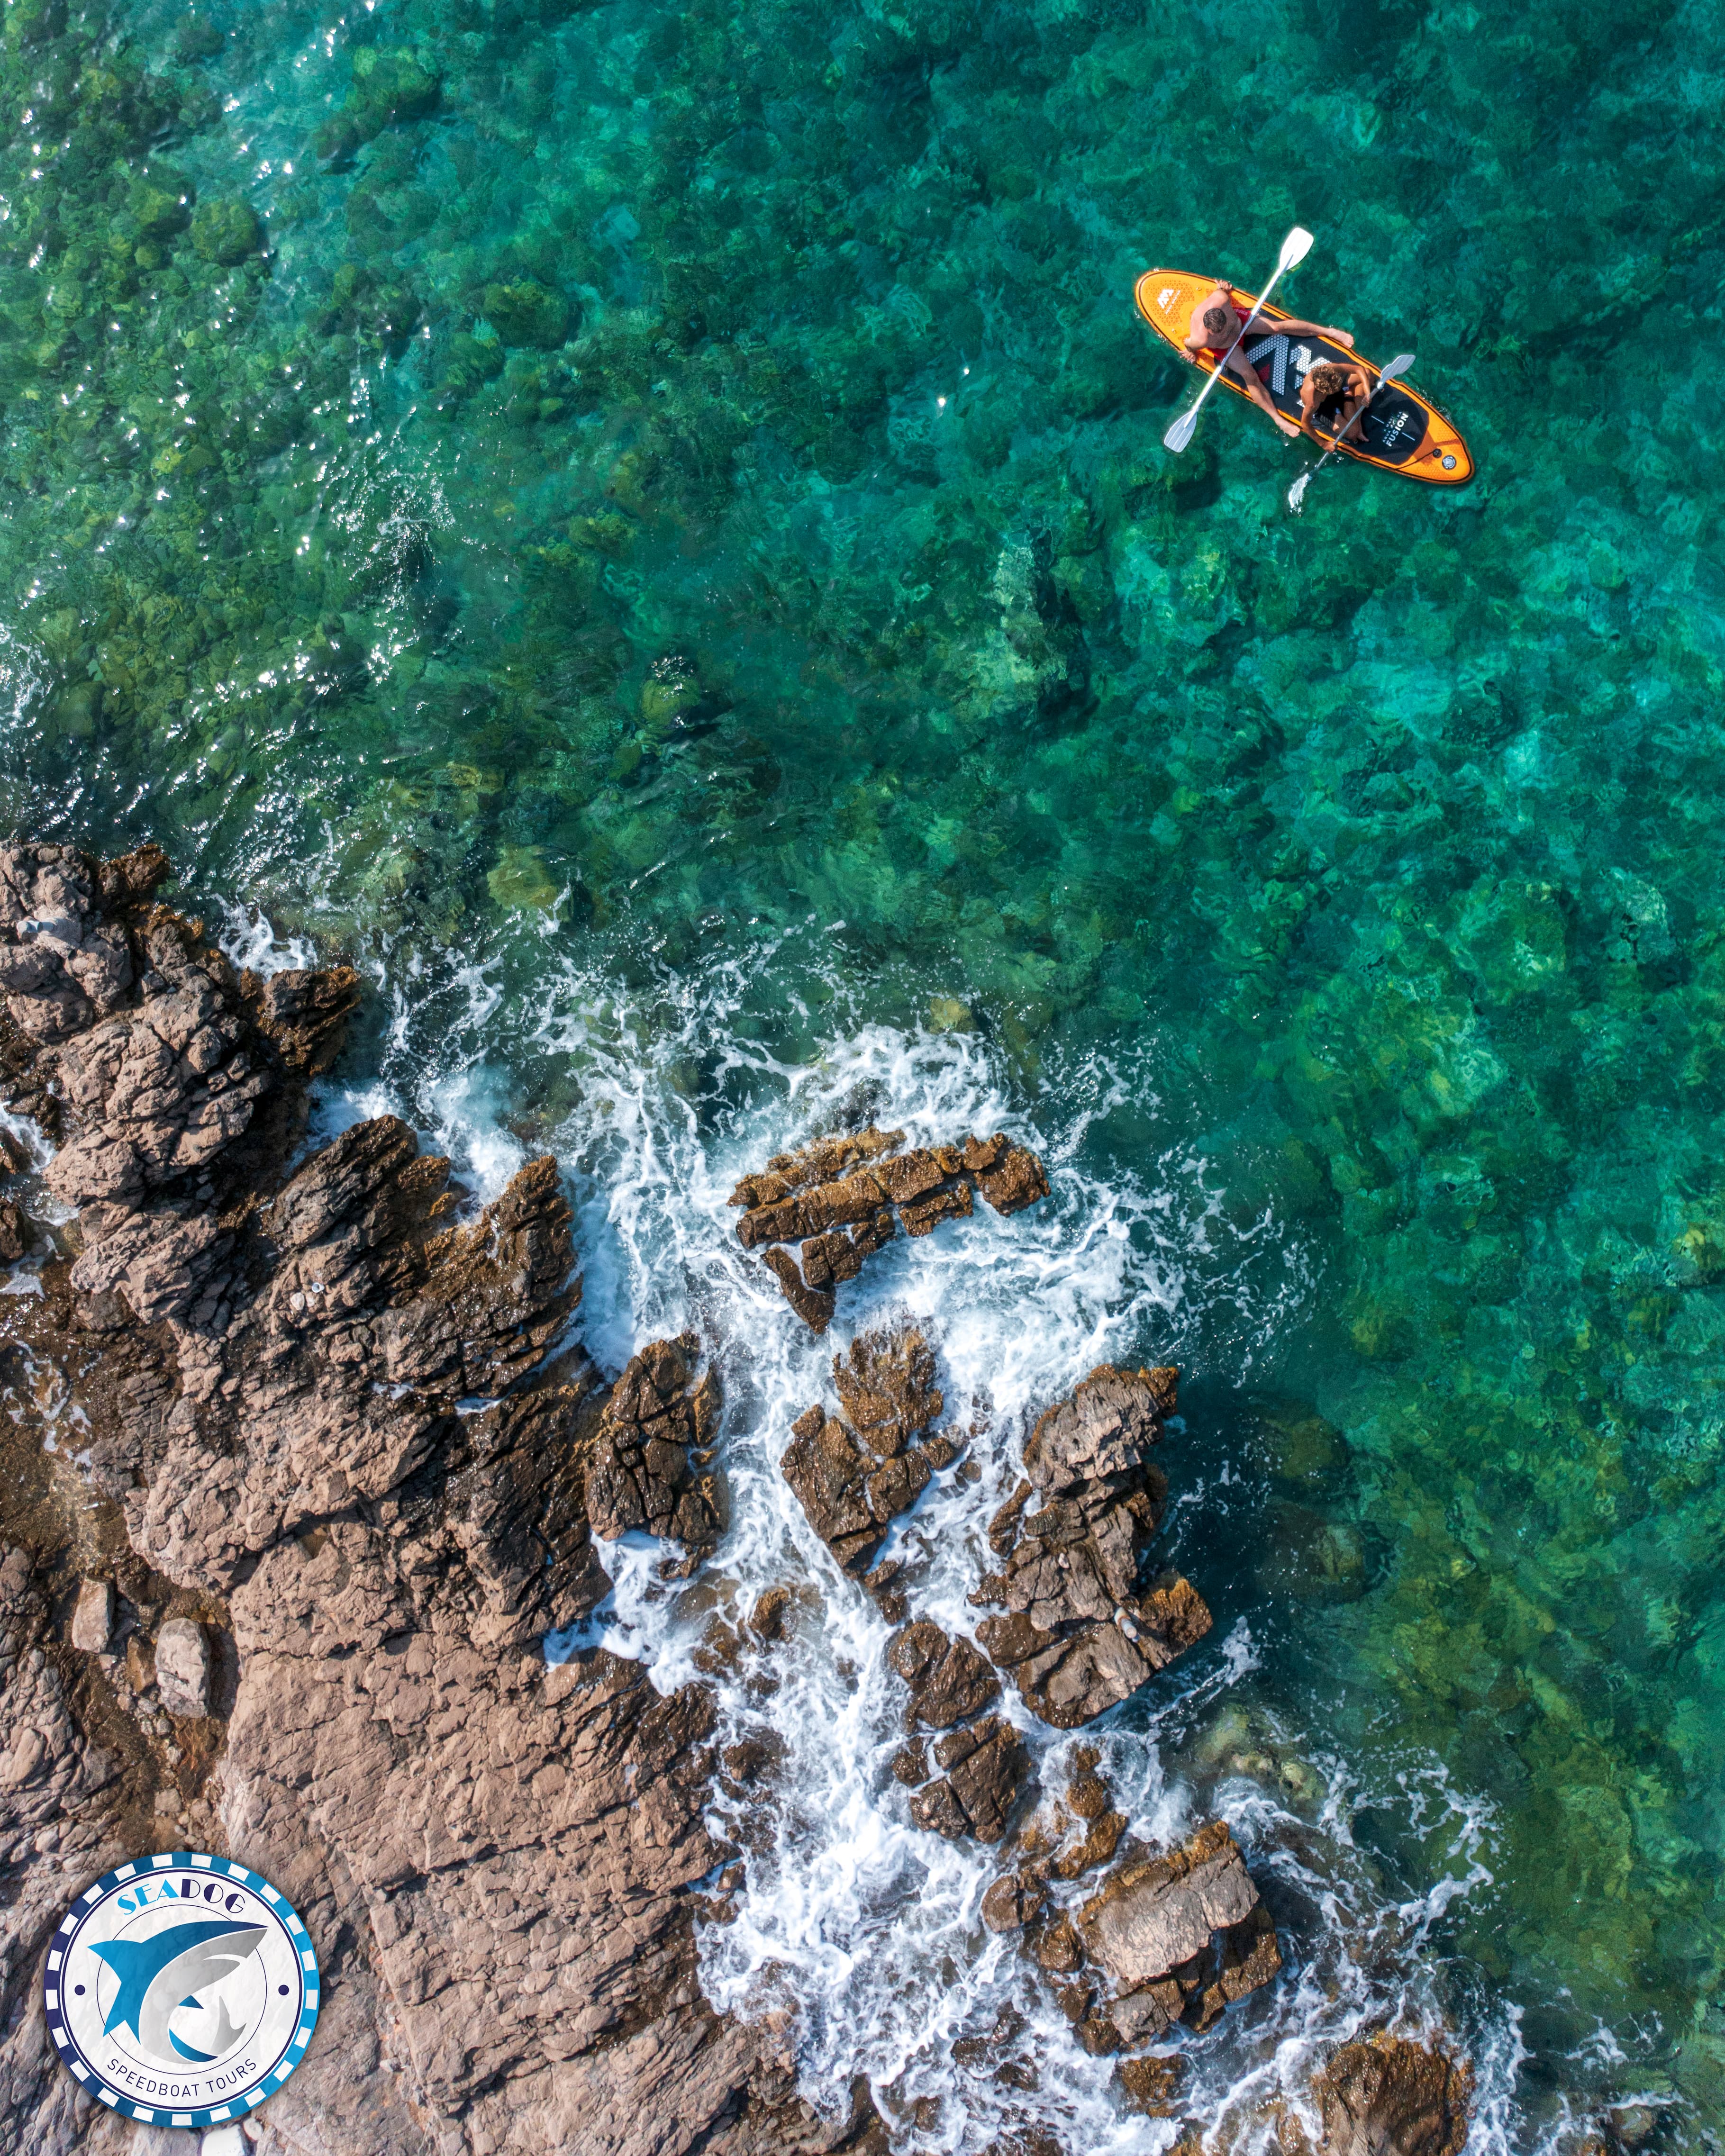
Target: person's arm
(1292,328)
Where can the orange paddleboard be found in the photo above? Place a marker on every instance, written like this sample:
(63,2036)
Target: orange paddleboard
(1402,431)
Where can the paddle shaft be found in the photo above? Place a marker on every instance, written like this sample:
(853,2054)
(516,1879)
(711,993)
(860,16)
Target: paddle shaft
(1245,330)
(1391,373)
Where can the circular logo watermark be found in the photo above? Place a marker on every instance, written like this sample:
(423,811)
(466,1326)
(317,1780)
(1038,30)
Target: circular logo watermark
(182,1989)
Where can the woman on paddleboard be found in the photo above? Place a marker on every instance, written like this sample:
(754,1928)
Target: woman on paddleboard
(1331,396)
(1218,318)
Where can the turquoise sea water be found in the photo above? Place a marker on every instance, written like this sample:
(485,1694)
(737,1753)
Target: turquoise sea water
(671,499)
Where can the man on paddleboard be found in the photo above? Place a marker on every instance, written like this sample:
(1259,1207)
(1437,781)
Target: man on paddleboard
(1218,319)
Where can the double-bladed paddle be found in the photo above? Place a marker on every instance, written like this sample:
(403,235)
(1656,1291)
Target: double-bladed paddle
(1400,365)
(1294,249)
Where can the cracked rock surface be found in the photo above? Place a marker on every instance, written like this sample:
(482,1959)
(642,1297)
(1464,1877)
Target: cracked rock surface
(1080,1630)
(841,1200)
(327,1406)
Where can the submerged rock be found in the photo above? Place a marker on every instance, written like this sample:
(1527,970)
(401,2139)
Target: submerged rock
(1079,1634)
(843,1198)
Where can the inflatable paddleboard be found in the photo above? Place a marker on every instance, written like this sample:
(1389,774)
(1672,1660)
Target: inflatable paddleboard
(1402,431)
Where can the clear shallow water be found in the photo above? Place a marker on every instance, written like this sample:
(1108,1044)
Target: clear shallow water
(553,574)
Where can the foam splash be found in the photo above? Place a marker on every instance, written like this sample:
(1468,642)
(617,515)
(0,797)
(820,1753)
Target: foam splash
(861,1928)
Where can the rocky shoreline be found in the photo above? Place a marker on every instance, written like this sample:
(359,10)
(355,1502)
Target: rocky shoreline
(313,1466)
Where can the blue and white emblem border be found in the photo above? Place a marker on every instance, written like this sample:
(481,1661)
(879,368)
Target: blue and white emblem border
(180,1860)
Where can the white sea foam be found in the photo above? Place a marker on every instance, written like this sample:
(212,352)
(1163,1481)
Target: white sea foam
(863,1930)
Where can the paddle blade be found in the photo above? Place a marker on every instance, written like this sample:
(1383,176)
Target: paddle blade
(1398,366)
(1180,433)
(1294,249)
(1296,492)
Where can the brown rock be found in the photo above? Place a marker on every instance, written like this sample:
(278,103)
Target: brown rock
(886,1388)
(63,1820)
(1014,1900)
(984,1764)
(1079,1634)
(828,1471)
(1019,1181)
(767,1619)
(650,1467)
(1059,1949)
(93,1617)
(910,1764)
(923,1215)
(1151,2084)
(853,1482)
(813,1305)
(324,1397)
(835,1198)
(1180,1935)
(16,1232)
(948,1679)
(1391,2098)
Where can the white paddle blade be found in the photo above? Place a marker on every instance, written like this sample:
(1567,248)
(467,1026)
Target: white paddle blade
(1398,366)
(1180,433)
(1296,492)
(1294,249)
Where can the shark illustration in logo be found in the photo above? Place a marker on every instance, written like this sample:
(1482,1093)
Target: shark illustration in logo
(160,1974)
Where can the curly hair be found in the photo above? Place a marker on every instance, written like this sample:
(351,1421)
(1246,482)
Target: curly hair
(1329,381)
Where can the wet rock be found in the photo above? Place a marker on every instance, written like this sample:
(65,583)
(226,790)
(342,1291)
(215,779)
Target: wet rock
(16,1233)
(768,1619)
(1058,1948)
(984,1763)
(829,1472)
(650,1463)
(948,1679)
(183,1667)
(1014,1900)
(93,1617)
(1079,1632)
(910,1764)
(886,1388)
(814,1306)
(852,1483)
(836,1198)
(1151,2084)
(1009,1177)
(1180,1936)
(1391,2098)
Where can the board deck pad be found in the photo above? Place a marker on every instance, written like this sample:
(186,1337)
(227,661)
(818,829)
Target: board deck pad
(1402,432)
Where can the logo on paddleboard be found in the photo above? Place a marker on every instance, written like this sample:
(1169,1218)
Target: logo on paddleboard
(182,1990)
(1166,297)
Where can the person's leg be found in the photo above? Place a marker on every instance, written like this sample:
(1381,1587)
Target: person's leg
(1237,364)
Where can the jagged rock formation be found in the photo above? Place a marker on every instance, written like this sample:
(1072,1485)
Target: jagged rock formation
(836,1198)
(1178,1937)
(333,1412)
(651,1458)
(60,1826)
(1079,1634)
(1391,2098)
(982,1763)
(853,1481)
(1166,1939)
